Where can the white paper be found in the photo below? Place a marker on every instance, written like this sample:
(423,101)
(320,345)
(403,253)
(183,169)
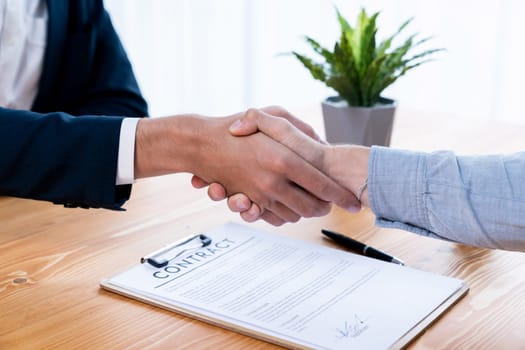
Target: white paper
(308,294)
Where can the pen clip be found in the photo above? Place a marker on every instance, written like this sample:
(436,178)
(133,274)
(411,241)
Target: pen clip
(156,258)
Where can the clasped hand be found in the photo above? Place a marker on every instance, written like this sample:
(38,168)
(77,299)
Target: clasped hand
(289,172)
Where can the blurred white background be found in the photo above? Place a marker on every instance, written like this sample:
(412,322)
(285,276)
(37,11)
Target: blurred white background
(219,57)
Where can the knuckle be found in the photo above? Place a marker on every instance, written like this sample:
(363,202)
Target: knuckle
(272,219)
(264,202)
(295,219)
(275,109)
(251,113)
(267,184)
(285,124)
(309,130)
(280,164)
(276,163)
(319,155)
(305,206)
(323,188)
(247,217)
(308,211)
(238,203)
(323,209)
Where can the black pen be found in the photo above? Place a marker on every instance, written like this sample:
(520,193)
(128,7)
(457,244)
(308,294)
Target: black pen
(361,247)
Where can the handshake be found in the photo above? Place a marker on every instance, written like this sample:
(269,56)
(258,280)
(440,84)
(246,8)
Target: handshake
(268,163)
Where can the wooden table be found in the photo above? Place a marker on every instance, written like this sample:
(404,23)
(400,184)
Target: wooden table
(53,258)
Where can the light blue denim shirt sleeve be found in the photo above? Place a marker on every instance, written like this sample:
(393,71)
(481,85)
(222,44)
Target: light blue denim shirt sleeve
(476,200)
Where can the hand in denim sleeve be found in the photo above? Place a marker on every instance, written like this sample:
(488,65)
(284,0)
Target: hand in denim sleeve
(477,200)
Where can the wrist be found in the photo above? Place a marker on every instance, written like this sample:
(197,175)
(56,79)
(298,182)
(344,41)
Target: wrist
(167,145)
(348,165)
(361,155)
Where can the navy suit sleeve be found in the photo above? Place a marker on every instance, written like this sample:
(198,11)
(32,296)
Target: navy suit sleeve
(60,158)
(66,150)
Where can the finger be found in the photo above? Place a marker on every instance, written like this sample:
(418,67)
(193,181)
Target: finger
(239,203)
(272,219)
(319,184)
(216,192)
(244,126)
(309,178)
(282,131)
(279,214)
(322,186)
(247,125)
(293,165)
(197,182)
(284,212)
(301,202)
(252,214)
(287,134)
(280,112)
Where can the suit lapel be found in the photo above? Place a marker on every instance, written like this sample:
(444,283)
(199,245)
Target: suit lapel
(56,36)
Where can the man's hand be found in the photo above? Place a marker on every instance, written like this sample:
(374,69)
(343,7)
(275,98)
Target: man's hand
(239,202)
(283,130)
(279,181)
(334,162)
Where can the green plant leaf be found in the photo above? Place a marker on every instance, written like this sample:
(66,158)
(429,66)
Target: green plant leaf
(370,79)
(422,54)
(405,69)
(368,42)
(359,69)
(328,56)
(345,26)
(316,69)
(385,45)
(421,41)
(345,65)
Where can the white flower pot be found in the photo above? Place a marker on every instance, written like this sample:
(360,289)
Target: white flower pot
(365,126)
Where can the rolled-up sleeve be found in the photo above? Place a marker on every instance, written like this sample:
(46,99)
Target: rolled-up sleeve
(476,200)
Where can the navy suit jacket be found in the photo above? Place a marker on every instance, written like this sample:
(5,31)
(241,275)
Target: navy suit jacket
(65,149)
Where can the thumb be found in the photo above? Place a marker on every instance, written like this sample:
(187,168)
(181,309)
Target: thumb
(287,134)
(281,130)
(243,127)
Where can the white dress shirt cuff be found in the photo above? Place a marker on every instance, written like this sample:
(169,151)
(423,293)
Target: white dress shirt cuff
(126,152)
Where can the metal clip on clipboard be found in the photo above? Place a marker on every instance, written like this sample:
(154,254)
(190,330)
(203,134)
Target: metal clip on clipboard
(158,259)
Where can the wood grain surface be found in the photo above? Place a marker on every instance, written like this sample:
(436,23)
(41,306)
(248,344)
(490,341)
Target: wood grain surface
(52,260)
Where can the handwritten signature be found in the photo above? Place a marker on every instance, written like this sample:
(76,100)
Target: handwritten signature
(352,329)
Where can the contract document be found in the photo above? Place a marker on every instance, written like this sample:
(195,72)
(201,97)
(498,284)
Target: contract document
(293,293)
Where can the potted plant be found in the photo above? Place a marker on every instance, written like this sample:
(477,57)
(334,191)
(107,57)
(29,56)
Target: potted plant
(359,70)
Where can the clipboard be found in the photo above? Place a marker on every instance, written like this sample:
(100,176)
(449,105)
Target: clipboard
(290,292)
